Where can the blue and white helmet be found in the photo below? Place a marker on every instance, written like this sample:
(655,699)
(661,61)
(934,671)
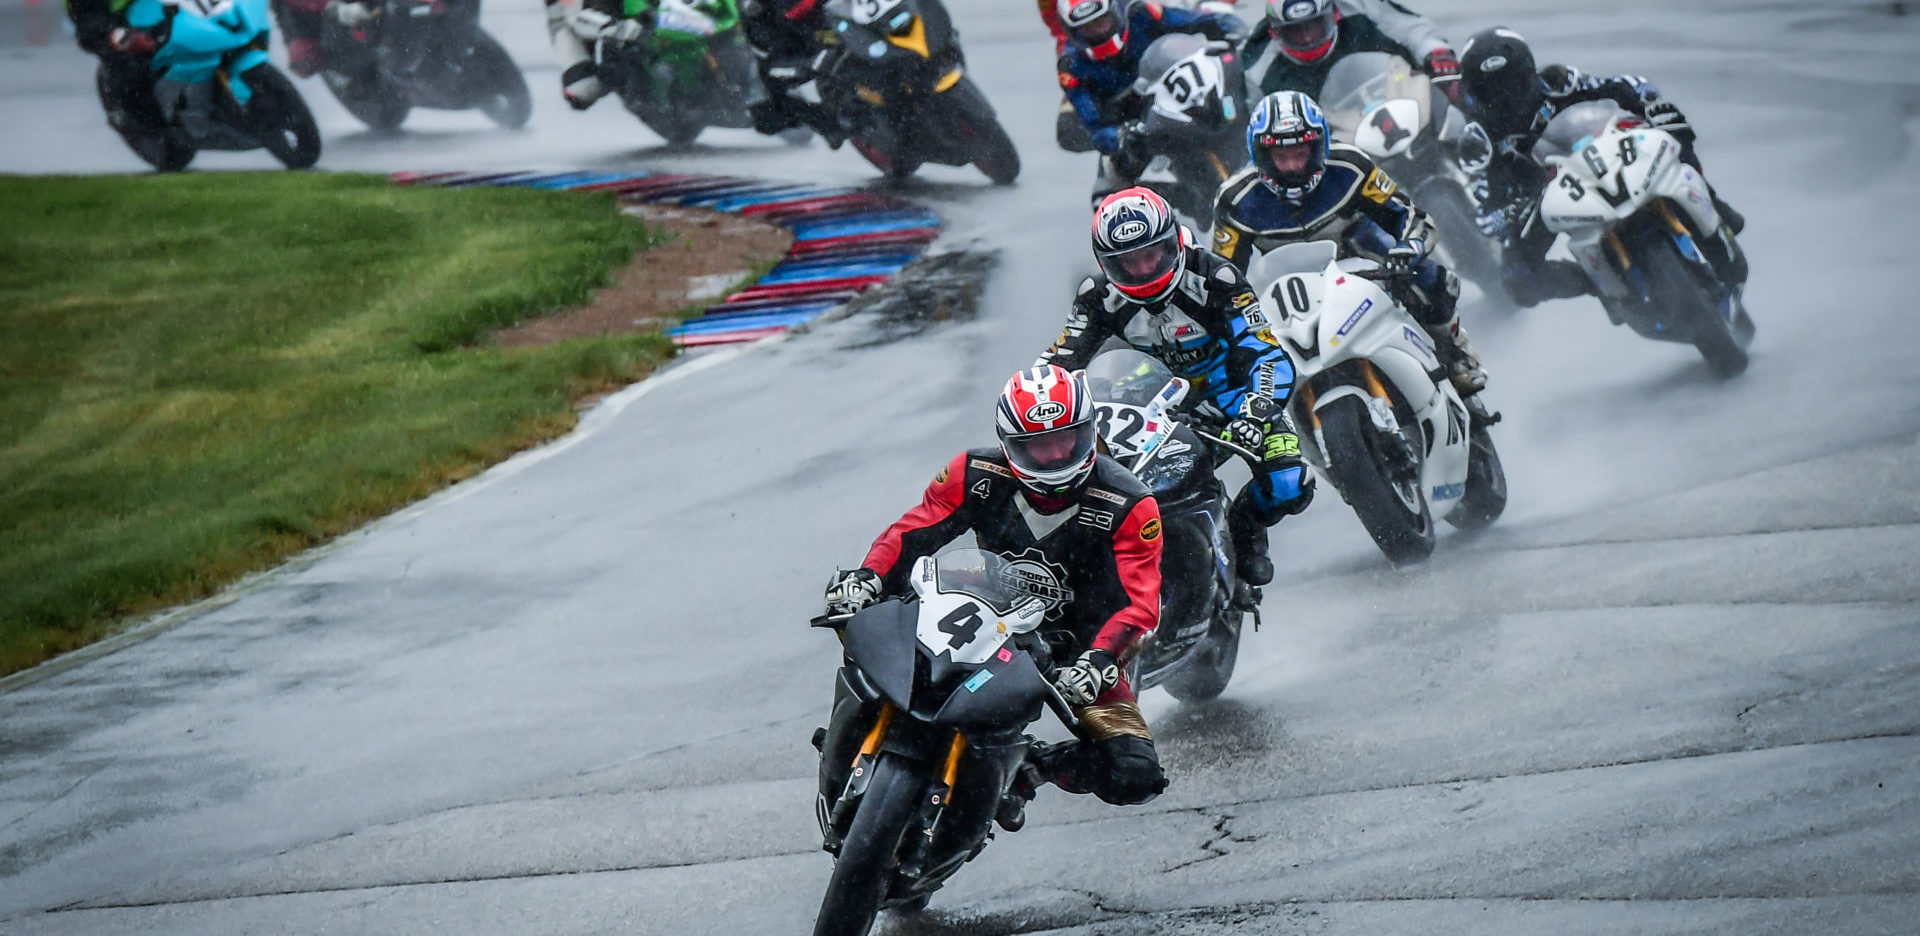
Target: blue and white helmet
(1288,140)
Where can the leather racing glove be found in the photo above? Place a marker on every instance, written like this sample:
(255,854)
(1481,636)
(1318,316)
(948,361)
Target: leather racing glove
(1663,115)
(852,590)
(1082,682)
(1444,68)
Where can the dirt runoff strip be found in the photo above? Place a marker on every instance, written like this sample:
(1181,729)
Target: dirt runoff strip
(843,242)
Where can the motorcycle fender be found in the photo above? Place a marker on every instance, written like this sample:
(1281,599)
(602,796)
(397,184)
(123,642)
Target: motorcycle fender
(237,75)
(1007,690)
(1589,247)
(1444,471)
(880,642)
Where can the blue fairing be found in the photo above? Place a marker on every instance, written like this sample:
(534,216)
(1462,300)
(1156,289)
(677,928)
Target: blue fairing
(198,45)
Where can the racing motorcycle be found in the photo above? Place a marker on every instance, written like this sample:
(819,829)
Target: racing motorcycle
(1137,411)
(692,70)
(1378,416)
(1643,227)
(1193,127)
(896,78)
(1379,103)
(397,55)
(942,684)
(214,87)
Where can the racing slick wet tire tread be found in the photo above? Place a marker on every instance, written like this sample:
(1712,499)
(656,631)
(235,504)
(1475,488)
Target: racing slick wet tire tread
(1672,281)
(282,119)
(1357,469)
(867,855)
(499,89)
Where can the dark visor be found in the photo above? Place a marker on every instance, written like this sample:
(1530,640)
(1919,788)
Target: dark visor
(1142,265)
(1098,31)
(1052,450)
(1307,36)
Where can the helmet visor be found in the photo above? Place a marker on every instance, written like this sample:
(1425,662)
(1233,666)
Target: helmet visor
(1292,159)
(1306,35)
(1145,265)
(1098,30)
(1050,452)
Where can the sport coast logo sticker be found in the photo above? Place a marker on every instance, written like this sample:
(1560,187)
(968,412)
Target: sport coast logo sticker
(1029,573)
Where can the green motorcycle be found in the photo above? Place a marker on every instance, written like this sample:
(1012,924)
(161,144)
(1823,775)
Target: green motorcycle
(692,70)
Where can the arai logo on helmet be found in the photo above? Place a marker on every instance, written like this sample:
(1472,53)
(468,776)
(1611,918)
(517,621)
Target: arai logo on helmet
(1128,230)
(1084,9)
(1046,411)
(1493,63)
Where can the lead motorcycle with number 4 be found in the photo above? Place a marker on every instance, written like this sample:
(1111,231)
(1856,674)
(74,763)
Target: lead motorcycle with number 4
(1377,414)
(1137,410)
(1643,227)
(938,688)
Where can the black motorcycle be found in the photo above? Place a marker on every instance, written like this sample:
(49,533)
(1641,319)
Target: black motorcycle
(928,731)
(1190,121)
(1202,604)
(421,53)
(896,80)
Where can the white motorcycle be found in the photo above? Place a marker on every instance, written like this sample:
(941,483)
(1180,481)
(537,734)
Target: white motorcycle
(1377,102)
(1191,131)
(1641,224)
(1377,415)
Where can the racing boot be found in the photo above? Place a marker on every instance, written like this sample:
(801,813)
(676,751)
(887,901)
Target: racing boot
(1250,561)
(1734,220)
(579,78)
(1463,363)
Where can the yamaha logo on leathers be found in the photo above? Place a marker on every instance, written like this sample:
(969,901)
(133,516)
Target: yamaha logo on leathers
(1046,411)
(1029,573)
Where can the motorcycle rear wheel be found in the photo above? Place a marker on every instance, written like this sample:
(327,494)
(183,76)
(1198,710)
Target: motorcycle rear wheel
(496,84)
(281,117)
(157,146)
(1357,467)
(867,855)
(1671,281)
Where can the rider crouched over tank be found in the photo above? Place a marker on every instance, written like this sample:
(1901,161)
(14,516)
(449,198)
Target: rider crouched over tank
(1303,187)
(1168,297)
(1087,532)
(1102,62)
(1512,103)
(126,60)
(1298,42)
(785,36)
(606,21)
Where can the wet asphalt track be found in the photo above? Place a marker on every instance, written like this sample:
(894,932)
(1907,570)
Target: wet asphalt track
(1675,690)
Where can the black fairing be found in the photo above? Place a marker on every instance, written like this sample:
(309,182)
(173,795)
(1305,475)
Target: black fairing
(1014,695)
(879,640)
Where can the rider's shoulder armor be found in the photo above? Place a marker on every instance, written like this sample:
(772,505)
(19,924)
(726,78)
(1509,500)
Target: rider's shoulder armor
(1113,483)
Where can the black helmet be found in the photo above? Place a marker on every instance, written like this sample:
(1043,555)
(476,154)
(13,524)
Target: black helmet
(1503,87)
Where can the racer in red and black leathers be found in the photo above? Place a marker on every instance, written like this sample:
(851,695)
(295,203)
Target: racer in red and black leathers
(1099,83)
(1099,542)
(1296,44)
(1209,330)
(1511,103)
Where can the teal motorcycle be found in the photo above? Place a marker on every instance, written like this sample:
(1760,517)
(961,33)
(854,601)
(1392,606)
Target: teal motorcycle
(215,88)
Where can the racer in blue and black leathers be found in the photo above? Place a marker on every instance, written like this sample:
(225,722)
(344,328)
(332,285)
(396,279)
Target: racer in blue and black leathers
(1301,187)
(126,57)
(1511,103)
(1107,38)
(1208,328)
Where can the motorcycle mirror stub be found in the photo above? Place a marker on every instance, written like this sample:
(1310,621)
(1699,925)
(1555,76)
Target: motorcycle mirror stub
(1175,392)
(923,576)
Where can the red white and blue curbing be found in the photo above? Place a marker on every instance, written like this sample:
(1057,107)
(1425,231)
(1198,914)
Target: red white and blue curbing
(844,240)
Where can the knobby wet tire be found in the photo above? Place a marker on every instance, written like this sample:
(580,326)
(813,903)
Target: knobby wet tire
(867,855)
(1356,468)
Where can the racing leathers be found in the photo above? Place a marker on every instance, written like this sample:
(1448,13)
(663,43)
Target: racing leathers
(1102,93)
(785,36)
(1095,561)
(1360,208)
(576,28)
(1210,331)
(1365,26)
(1510,210)
(126,57)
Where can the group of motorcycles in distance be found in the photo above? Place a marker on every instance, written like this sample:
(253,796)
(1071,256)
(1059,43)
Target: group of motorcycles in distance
(901,87)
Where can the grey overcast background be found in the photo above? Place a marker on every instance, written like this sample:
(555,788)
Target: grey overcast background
(1674,690)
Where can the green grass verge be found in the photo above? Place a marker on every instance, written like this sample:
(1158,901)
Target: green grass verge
(202,374)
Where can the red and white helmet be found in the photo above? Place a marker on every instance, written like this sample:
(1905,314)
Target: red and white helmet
(1045,424)
(1141,247)
(1305,29)
(1097,26)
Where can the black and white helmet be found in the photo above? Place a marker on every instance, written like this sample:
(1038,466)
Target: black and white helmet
(1502,84)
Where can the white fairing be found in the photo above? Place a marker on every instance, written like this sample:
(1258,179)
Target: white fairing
(1388,128)
(1188,85)
(1609,177)
(955,617)
(1347,317)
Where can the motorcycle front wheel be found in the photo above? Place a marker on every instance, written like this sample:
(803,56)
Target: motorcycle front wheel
(1672,282)
(495,83)
(281,118)
(1392,509)
(1486,495)
(1207,674)
(990,149)
(867,856)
